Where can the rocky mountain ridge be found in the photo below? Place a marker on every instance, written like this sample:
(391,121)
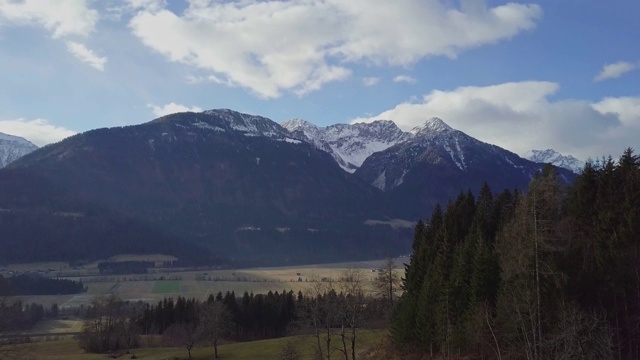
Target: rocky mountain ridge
(555,158)
(13,147)
(349,144)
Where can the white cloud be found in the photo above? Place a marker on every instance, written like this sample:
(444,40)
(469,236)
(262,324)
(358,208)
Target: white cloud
(63,18)
(370,81)
(86,55)
(38,131)
(612,71)
(520,116)
(171,108)
(321,76)
(60,17)
(405,79)
(270,47)
(194,79)
(627,109)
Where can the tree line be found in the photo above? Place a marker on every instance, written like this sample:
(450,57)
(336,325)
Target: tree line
(252,316)
(17,316)
(547,274)
(31,284)
(332,312)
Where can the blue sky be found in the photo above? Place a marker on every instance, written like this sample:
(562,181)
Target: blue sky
(560,74)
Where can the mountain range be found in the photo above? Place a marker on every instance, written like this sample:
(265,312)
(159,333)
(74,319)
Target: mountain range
(349,145)
(222,186)
(553,157)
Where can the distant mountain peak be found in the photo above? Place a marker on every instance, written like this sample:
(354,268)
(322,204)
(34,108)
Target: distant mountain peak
(296,123)
(555,158)
(13,147)
(304,127)
(432,125)
(349,144)
(378,123)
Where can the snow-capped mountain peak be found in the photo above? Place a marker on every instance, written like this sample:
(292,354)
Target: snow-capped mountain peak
(13,147)
(295,124)
(307,129)
(349,144)
(555,158)
(432,125)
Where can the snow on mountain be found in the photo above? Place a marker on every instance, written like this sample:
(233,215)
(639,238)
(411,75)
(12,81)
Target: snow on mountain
(349,144)
(432,126)
(433,142)
(439,154)
(250,125)
(227,121)
(555,158)
(309,130)
(13,148)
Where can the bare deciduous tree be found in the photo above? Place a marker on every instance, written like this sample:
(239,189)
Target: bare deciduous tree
(318,314)
(151,337)
(100,331)
(352,286)
(215,323)
(11,346)
(181,335)
(130,332)
(387,283)
(579,335)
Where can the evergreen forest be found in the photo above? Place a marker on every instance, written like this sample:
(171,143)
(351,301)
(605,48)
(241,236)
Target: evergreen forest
(550,273)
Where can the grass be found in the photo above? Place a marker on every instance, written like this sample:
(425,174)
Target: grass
(264,349)
(146,288)
(166,287)
(256,280)
(57,326)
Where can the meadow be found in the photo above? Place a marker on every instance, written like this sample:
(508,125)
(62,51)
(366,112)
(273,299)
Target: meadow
(161,283)
(68,349)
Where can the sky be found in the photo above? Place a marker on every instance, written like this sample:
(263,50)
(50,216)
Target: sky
(561,74)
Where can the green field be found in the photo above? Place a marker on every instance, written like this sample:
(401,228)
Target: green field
(161,283)
(265,349)
(166,287)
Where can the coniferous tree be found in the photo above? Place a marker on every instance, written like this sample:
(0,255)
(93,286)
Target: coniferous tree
(549,273)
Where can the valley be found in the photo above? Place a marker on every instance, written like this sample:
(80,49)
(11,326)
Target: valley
(57,338)
(319,180)
(199,284)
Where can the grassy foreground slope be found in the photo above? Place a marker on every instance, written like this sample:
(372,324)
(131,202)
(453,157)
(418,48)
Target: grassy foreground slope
(264,349)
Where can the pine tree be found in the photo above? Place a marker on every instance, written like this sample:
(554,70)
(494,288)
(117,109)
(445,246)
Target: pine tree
(425,316)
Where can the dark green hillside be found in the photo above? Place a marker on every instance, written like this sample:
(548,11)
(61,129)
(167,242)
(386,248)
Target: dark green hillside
(192,179)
